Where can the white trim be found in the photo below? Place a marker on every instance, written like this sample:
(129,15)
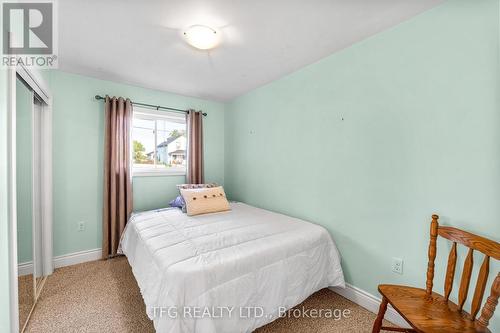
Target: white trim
(69,259)
(370,302)
(12,199)
(154,173)
(77,258)
(25,268)
(46,187)
(152,114)
(35,82)
(36,216)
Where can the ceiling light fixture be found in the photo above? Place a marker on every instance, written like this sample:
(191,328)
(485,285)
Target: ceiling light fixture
(202,37)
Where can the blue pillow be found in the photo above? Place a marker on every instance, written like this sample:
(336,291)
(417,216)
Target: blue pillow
(177,202)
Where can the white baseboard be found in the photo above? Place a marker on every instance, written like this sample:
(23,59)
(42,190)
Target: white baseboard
(64,260)
(370,302)
(77,258)
(25,268)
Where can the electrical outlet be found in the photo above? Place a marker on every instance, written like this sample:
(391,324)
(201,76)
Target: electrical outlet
(397,265)
(81,225)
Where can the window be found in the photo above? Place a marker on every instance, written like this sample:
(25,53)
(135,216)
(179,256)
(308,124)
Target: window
(158,143)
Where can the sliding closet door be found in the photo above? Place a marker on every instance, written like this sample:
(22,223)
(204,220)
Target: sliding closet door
(31,221)
(32,188)
(24,183)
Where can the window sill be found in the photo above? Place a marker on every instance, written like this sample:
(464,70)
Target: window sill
(157,173)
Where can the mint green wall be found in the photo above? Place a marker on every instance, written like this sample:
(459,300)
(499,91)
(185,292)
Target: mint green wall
(4,202)
(24,172)
(372,140)
(78,139)
(155,192)
(367,142)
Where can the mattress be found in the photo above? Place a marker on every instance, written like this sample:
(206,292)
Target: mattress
(231,271)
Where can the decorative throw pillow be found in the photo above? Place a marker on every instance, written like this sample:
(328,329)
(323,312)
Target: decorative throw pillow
(177,202)
(193,186)
(205,200)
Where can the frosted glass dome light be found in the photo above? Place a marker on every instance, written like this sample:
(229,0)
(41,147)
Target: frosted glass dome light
(202,37)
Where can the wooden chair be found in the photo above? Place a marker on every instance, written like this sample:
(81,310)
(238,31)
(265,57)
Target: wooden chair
(427,311)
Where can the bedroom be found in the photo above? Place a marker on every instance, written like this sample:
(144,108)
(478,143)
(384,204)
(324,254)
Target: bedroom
(337,127)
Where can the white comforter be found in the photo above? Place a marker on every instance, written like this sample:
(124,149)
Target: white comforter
(226,272)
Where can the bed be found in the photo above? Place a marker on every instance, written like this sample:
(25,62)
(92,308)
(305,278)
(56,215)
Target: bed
(231,271)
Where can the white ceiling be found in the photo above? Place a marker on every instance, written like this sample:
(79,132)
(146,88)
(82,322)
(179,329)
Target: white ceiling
(139,42)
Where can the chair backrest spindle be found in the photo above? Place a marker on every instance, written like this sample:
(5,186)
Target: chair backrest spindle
(450,271)
(491,304)
(489,248)
(465,281)
(480,287)
(432,253)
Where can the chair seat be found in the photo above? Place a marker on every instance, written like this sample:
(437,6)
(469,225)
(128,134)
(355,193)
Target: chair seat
(428,313)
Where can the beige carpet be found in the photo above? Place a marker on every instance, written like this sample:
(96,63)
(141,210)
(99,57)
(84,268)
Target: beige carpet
(103,296)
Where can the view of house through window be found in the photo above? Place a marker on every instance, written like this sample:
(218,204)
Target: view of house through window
(158,142)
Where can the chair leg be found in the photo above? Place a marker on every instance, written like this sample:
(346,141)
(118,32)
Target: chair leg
(380,317)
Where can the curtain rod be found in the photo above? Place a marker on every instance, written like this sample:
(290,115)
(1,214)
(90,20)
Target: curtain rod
(157,107)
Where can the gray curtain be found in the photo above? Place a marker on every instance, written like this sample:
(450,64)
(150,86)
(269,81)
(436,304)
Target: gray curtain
(117,205)
(194,120)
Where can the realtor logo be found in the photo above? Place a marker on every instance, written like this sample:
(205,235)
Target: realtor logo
(28,30)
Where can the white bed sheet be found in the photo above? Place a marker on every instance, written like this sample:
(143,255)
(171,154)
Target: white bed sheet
(193,270)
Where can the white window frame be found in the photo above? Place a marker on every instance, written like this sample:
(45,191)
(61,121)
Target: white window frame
(155,115)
